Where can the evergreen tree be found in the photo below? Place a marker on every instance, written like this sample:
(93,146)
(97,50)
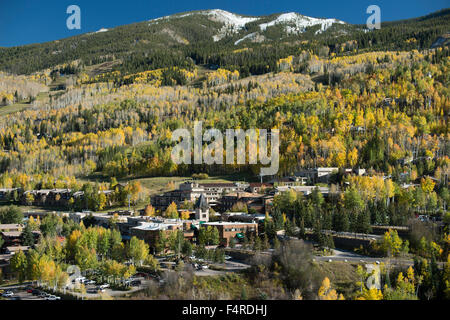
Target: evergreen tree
(27,236)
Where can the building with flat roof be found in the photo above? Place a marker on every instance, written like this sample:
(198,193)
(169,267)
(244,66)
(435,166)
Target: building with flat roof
(150,231)
(15,249)
(10,227)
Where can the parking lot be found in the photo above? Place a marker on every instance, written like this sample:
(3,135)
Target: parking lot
(19,292)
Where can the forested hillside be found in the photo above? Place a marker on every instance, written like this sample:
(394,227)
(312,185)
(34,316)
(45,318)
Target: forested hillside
(366,99)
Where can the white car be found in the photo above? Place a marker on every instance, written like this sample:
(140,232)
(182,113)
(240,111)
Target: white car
(104,286)
(53,298)
(8,294)
(205,267)
(79,279)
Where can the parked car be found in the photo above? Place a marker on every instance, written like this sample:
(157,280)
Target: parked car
(104,286)
(100,289)
(35,292)
(52,297)
(87,281)
(79,279)
(7,294)
(93,290)
(136,283)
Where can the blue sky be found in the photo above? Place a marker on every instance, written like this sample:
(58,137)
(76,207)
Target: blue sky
(33,21)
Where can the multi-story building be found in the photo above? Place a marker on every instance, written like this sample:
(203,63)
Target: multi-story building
(231,230)
(256,201)
(191,191)
(8,193)
(306,190)
(150,232)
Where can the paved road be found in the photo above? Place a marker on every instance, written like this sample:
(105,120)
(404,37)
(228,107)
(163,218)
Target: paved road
(208,272)
(348,256)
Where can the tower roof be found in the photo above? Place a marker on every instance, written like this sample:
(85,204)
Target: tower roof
(201,203)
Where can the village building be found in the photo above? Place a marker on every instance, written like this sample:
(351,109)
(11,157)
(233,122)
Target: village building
(7,194)
(150,231)
(14,249)
(11,227)
(12,238)
(232,230)
(5,267)
(190,191)
(254,201)
(306,190)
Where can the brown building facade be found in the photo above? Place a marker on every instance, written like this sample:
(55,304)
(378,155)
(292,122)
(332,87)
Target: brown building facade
(231,230)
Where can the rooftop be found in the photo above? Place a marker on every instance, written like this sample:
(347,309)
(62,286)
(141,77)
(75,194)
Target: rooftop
(149,226)
(201,203)
(12,234)
(10,226)
(17,248)
(223,223)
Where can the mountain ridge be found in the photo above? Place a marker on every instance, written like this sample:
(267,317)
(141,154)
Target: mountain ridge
(196,35)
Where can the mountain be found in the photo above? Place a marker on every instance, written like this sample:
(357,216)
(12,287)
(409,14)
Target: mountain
(217,37)
(292,22)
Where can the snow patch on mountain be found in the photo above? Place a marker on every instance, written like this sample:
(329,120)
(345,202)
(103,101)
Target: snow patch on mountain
(297,23)
(293,22)
(233,23)
(98,31)
(249,36)
(229,18)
